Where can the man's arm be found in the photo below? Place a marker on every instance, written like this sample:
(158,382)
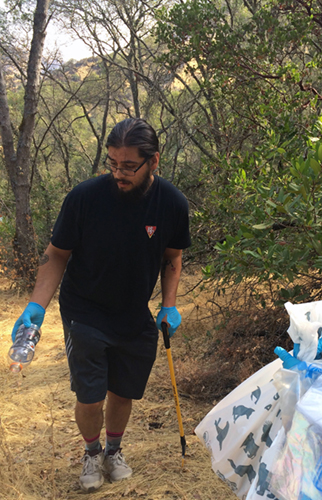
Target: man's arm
(170,276)
(51,269)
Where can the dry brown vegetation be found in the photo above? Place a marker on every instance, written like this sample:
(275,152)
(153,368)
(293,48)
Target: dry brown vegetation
(40,445)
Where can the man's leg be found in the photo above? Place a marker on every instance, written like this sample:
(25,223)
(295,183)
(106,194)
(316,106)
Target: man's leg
(89,418)
(117,414)
(86,352)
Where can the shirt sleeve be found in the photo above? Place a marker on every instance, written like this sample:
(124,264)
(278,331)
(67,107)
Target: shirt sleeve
(181,235)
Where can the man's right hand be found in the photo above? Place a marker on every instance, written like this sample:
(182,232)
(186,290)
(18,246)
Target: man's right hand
(34,313)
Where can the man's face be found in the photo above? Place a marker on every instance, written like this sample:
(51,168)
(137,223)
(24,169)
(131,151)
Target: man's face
(128,157)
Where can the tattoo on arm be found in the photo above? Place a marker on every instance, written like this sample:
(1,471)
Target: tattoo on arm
(43,259)
(164,265)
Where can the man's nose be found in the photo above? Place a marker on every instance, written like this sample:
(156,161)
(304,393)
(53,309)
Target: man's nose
(118,174)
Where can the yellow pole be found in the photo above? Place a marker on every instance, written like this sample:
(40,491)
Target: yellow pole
(166,339)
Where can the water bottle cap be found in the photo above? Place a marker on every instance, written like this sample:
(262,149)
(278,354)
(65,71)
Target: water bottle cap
(15,367)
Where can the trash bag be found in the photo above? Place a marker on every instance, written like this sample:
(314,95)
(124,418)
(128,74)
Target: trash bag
(265,437)
(296,472)
(240,428)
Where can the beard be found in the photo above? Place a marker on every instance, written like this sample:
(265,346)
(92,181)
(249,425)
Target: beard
(137,192)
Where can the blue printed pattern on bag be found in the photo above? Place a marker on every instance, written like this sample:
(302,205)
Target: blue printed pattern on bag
(221,433)
(240,411)
(255,395)
(250,447)
(262,483)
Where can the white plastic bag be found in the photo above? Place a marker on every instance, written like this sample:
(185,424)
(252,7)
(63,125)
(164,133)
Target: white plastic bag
(291,463)
(296,472)
(247,432)
(239,429)
(305,327)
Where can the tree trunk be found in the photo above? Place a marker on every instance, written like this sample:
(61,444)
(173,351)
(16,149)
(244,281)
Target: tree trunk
(101,139)
(17,160)
(131,59)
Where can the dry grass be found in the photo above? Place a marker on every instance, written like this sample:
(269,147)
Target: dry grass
(40,445)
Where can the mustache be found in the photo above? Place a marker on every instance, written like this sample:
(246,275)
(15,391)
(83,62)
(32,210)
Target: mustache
(133,195)
(123,181)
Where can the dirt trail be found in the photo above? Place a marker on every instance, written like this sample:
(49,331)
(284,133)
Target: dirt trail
(40,445)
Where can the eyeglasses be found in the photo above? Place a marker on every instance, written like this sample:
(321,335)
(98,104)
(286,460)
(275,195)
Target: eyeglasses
(124,170)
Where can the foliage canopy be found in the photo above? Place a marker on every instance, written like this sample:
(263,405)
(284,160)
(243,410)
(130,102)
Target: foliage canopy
(234,91)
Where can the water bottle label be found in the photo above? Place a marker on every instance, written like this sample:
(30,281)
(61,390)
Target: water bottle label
(22,351)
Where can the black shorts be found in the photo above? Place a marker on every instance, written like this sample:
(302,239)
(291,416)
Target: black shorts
(101,362)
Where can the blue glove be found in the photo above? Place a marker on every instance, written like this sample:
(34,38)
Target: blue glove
(173,318)
(289,361)
(34,313)
(319,351)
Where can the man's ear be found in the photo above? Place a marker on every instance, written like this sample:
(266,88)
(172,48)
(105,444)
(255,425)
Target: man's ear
(154,162)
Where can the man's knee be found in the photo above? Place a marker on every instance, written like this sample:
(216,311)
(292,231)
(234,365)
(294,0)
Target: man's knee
(118,400)
(89,409)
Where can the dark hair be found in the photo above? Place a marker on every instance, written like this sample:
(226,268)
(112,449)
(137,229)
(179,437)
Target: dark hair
(134,132)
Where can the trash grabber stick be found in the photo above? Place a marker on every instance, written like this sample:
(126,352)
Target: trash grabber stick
(166,339)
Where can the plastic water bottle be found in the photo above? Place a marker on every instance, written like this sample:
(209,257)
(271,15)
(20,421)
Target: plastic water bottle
(22,351)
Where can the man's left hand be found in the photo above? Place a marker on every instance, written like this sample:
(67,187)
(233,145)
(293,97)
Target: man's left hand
(173,318)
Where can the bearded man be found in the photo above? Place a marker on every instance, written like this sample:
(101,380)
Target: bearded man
(113,235)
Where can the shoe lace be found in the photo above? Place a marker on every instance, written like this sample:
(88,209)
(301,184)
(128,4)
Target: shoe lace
(91,464)
(118,459)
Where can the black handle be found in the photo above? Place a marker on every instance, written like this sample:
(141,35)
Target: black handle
(165,332)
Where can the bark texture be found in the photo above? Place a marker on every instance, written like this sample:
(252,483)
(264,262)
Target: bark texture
(17,152)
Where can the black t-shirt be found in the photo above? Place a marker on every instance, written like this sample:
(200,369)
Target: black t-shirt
(117,247)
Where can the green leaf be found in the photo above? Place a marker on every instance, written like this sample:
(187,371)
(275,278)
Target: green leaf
(285,293)
(250,252)
(316,167)
(294,172)
(231,240)
(303,192)
(262,226)
(320,152)
(290,275)
(294,187)
(281,209)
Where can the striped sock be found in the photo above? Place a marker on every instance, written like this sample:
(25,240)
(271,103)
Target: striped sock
(92,444)
(113,442)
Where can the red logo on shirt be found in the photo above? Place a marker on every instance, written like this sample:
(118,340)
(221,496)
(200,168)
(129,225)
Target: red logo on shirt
(150,230)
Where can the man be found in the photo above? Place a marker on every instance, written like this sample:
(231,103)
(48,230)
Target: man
(113,235)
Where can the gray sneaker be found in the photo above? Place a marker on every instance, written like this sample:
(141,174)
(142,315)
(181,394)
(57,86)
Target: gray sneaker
(92,477)
(116,467)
